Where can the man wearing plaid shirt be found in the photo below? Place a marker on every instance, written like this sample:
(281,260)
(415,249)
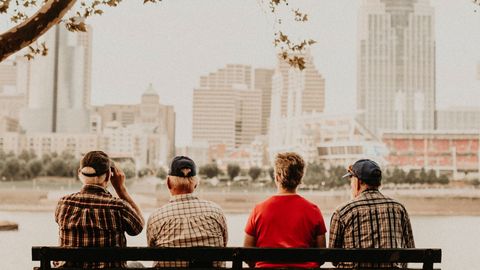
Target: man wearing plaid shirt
(186,221)
(93,217)
(370,219)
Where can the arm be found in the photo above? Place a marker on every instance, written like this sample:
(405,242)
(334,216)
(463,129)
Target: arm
(321,241)
(336,233)
(407,232)
(250,241)
(224,230)
(118,183)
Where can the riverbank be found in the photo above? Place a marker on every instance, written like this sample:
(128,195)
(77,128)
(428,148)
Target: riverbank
(449,202)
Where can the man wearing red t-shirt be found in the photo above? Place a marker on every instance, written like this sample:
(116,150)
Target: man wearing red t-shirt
(286,220)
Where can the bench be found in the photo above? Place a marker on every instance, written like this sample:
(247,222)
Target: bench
(201,255)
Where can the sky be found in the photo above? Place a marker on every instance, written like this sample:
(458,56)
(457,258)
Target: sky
(173,43)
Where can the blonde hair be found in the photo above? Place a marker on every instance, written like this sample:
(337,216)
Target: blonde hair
(289,167)
(186,184)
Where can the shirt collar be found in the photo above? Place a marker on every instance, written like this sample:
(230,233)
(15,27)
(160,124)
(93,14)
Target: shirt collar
(183,197)
(94,189)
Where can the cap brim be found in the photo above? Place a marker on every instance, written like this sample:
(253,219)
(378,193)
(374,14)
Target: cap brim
(348,174)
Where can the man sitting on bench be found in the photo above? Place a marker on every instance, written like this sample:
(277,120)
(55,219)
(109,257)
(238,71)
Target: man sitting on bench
(186,221)
(93,217)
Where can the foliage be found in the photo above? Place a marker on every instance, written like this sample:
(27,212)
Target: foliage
(57,167)
(254,172)
(233,170)
(11,169)
(315,174)
(34,167)
(128,169)
(144,172)
(161,173)
(209,170)
(271,173)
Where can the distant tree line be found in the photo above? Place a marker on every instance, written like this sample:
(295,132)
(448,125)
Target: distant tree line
(317,176)
(27,165)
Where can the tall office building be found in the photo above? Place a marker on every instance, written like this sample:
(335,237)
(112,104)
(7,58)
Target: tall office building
(309,83)
(263,82)
(294,93)
(396,65)
(226,109)
(59,84)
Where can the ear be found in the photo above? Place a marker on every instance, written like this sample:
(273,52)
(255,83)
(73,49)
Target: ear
(168,183)
(359,184)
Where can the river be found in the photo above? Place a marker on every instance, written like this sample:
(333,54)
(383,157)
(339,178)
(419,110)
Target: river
(457,236)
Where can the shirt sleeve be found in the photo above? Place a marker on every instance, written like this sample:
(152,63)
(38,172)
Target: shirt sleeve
(223,224)
(336,232)
(250,227)
(321,228)
(151,231)
(131,221)
(407,232)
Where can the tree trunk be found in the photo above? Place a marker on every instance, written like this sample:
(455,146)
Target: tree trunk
(27,32)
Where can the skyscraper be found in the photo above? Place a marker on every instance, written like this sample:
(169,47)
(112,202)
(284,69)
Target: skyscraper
(59,84)
(226,109)
(263,82)
(396,65)
(296,94)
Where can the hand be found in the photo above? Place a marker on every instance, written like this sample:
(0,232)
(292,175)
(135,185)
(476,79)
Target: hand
(117,179)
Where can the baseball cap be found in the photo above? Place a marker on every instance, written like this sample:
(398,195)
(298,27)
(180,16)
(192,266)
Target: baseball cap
(366,170)
(98,160)
(182,162)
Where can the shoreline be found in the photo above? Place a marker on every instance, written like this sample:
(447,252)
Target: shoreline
(423,203)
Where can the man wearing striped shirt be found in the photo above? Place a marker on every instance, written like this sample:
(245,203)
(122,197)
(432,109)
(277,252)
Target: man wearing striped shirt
(370,219)
(186,221)
(93,217)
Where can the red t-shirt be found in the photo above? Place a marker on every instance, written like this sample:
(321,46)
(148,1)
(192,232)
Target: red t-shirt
(286,221)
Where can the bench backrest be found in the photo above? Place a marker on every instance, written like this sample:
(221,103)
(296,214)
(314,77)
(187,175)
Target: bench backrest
(235,255)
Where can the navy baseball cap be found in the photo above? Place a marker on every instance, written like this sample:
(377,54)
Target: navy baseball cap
(179,163)
(366,170)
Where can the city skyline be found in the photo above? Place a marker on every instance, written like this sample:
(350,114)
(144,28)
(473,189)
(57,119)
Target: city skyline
(180,50)
(175,73)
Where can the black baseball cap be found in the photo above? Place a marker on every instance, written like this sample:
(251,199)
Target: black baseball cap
(366,170)
(182,162)
(98,160)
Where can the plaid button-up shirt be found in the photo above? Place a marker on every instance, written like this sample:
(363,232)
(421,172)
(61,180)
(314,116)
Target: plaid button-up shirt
(187,221)
(94,218)
(371,220)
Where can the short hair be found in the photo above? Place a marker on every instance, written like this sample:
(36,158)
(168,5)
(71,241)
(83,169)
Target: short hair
(290,167)
(186,184)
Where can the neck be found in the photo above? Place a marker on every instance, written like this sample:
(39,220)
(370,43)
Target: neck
(174,192)
(282,191)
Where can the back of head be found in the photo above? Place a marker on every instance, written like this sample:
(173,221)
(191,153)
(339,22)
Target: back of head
(94,166)
(289,167)
(368,172)
(182,174)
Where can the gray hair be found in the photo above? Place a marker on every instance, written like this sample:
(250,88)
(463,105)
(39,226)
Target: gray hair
(183,183)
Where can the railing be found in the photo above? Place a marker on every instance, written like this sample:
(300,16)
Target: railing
(201,256)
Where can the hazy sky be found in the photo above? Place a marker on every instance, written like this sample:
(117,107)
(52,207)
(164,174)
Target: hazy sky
(173,43)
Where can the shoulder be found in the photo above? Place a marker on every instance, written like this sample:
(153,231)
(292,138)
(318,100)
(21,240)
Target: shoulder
(211,206)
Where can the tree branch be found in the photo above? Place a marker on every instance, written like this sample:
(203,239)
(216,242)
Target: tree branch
(29,31)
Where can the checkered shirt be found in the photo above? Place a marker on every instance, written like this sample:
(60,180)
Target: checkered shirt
(94,218)
(187,221)
(371,220)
